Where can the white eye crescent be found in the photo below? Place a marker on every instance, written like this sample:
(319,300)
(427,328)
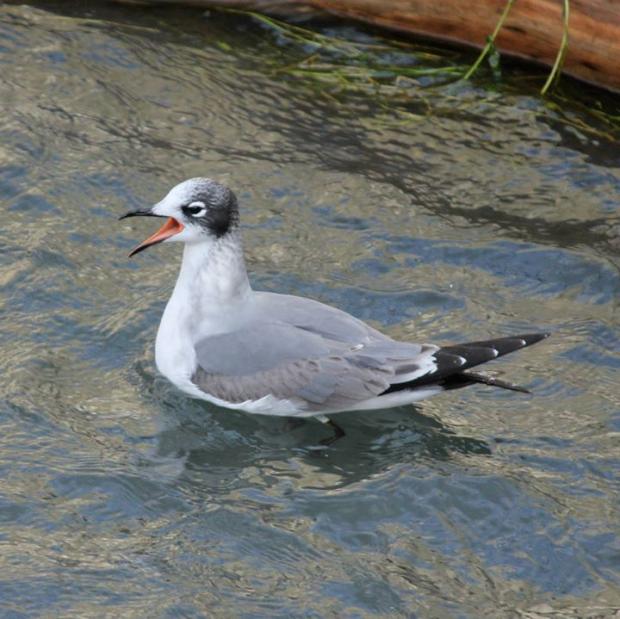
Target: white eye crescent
(197,209)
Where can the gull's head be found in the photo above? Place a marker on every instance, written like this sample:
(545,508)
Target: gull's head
(198,210)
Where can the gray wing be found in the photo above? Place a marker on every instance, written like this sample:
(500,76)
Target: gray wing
(297,363)
(315,317)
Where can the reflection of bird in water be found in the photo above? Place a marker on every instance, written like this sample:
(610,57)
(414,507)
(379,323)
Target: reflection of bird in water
(276,354)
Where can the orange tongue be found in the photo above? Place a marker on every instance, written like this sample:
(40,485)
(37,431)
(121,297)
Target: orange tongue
(170,228)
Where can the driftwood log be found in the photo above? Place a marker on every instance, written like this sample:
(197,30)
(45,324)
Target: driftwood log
(532,31)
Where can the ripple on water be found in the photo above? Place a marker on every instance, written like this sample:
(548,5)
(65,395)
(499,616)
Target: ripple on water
(475,215)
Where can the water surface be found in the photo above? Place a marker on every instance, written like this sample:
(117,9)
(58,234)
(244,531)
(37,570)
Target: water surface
(462,212)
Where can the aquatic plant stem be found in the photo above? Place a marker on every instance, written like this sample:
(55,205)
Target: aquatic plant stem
(559,59)
(490,41)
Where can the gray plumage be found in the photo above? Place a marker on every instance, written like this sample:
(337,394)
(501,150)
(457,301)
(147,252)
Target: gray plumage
(299,349)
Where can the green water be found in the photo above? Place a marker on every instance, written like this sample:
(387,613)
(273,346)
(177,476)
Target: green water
(460,212)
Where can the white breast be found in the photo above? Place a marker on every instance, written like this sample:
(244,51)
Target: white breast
(212,295)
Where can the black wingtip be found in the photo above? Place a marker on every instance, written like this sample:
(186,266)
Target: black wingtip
(454,362)
(476,353)
(532,338)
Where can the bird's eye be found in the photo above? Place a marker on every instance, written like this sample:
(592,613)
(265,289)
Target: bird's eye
(195,209)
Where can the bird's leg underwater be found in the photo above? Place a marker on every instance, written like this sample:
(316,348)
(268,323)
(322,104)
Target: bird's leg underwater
(338,431)
(292,423)
(466,378)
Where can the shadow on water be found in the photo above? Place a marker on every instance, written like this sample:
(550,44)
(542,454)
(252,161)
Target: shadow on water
(207,437)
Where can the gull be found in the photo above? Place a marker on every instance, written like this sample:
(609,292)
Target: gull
(277,354)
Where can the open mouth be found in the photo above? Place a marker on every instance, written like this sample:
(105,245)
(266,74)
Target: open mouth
(170,228)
